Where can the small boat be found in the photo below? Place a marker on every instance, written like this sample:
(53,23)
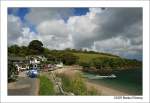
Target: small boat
(112,76)
(102,77)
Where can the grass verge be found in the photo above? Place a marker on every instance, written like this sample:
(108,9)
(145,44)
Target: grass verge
(46,86)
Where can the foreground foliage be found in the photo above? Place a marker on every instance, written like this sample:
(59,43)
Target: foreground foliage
(75,84)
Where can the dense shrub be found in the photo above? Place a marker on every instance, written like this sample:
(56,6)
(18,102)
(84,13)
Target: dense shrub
(75,84)
(85,64)
(12,72)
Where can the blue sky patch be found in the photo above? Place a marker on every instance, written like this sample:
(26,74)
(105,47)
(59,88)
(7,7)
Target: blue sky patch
(80,11)
(20,12)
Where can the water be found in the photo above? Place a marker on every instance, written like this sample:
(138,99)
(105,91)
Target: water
(128,81)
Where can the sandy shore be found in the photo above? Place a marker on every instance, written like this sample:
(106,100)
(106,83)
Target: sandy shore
(105,91)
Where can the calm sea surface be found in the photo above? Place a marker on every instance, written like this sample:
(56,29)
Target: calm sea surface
(129,81)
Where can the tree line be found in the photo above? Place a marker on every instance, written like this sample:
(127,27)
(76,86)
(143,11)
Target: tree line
(35,47)
(66,56)
(109,65)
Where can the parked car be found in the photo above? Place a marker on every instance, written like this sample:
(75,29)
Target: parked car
(32,73)
(60,65)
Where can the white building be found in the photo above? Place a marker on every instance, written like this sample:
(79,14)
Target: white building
(36,60)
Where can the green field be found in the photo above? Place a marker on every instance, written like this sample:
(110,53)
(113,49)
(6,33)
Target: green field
(87,57)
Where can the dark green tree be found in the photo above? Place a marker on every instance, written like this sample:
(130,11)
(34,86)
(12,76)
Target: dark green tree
(24,51)
(46,52)
(14,49)
(36,47)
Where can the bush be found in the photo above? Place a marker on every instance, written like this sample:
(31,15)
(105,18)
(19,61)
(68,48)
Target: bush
(105,71)
(46,86)
(85,64)
(93,91)
(69,58)
(12,72)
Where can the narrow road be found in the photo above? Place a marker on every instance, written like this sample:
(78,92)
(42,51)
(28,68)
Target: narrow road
(24,86)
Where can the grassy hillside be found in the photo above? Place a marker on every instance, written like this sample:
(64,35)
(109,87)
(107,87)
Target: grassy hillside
(86,57)
(102,63)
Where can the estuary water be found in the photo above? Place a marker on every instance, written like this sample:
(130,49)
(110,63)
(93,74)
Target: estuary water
(128,81)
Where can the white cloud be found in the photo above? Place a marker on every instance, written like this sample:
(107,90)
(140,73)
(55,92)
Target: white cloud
(38,15)
(113,44)
(14,28)
(120,46)
(82,29)
(53,27)
(26,37)
(112,30)
(55,34)
(17,33)
(95,10)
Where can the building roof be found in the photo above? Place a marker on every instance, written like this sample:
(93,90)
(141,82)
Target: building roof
(17,58)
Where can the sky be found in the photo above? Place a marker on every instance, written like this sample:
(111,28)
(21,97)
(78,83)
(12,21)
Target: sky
(112,30)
